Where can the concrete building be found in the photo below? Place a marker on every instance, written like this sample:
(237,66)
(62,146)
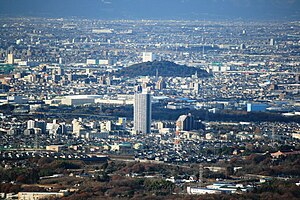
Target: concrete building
(77,127)
(103,127)
(55,148)
(99,61)
(122,122)
(74,100)
(142,112)
(30,124)
(160,84)
(185,123)
(56,128)
(196,190)
(256,107)
(37,124)
(39,195)
(91,62)
(148,57)
(17,99)
(10,59)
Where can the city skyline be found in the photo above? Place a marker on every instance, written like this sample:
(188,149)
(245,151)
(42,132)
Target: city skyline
(140,99)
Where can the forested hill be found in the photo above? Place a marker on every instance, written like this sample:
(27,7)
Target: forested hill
(164,69)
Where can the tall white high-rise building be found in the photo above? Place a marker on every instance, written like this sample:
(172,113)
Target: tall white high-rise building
(148,57)
(142,112)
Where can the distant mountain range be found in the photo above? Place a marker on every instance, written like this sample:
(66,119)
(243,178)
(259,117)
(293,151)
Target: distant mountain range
(154,9)
(163,68)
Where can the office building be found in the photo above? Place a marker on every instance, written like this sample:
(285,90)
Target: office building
(148,57)
(256,107)
(75,100)
(37,124)
(185,123)
(160,84)
(142,112)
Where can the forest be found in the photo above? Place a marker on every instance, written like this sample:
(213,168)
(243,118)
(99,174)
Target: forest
(162,68)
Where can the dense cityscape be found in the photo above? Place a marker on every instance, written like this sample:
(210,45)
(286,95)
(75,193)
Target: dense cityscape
(149,109)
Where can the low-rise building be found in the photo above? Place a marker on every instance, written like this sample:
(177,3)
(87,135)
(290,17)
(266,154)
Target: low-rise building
(39,195)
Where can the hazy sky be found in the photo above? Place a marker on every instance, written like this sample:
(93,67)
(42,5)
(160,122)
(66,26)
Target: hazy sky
(154,9)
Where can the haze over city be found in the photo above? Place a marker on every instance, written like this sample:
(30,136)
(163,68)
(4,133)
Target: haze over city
(149,99)
(155,9)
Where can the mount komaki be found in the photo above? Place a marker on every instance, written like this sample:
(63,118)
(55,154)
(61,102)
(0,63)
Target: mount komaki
(162,68)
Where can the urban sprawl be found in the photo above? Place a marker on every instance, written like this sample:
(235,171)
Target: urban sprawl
(184,107)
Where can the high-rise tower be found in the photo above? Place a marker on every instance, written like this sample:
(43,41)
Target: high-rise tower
(142,112)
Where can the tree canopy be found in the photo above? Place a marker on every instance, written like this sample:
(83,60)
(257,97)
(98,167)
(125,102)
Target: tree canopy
(163,68)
